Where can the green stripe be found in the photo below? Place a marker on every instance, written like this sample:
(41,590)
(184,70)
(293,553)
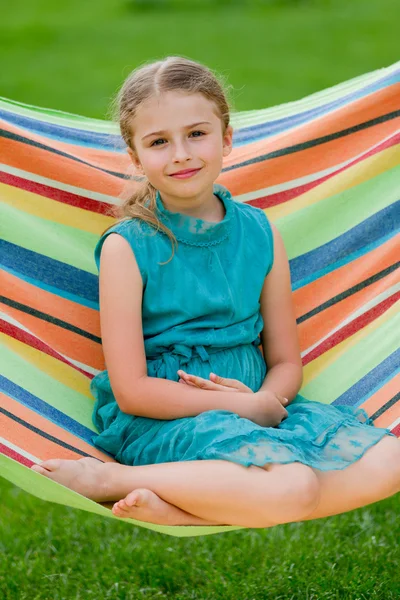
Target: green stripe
(257,116)
(51,491)
(328,218)
(65,399)
(356,362)
(240,119)
(69,245)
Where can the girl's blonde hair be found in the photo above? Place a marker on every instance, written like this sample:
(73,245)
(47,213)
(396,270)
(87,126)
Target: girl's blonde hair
(173,73)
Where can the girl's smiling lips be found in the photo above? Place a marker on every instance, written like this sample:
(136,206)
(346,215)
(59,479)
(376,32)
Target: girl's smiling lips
(185,173)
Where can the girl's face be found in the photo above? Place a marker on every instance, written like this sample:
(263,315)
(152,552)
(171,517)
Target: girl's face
(175,132)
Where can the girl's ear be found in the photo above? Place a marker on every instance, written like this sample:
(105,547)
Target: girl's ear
(135,160)
(227,141)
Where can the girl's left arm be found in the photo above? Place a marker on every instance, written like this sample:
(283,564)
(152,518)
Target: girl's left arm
(279,336)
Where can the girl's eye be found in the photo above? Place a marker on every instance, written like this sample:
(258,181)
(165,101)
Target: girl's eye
(202,132)
(161,139)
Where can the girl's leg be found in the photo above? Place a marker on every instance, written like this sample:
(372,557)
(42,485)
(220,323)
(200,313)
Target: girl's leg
(375,476)
(145,505)
(216,490)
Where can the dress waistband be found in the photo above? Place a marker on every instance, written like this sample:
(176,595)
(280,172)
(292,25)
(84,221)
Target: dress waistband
(180,354)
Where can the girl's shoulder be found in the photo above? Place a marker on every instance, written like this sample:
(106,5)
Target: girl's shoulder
(258,228)
(134,231)
(128,225)
(254,216)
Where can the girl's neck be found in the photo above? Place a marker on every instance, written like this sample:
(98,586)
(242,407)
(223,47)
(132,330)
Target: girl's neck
(213,210)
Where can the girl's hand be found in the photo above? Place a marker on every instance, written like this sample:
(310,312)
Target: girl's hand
(222,384)
(216,383)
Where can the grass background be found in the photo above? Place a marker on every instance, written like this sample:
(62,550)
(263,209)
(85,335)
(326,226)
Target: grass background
(73,56)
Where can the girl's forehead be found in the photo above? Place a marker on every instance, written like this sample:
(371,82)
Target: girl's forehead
(175,107)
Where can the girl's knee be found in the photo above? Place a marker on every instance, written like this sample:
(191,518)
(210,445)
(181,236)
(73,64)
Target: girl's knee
(306,491)
(300,490)
(383,459)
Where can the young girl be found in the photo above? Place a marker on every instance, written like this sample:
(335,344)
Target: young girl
(209,430)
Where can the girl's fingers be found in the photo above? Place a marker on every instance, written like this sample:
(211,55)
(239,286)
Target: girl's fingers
(202,383)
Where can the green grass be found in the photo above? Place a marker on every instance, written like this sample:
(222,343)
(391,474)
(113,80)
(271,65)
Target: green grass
(54,552)
(73,56)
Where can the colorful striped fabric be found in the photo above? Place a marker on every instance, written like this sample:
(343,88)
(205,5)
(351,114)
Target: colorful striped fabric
(326,169)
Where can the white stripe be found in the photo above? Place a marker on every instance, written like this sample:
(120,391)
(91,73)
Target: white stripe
(363,309)
(20,451)
(57,185)
(293,183)
(394,424)
(77,363)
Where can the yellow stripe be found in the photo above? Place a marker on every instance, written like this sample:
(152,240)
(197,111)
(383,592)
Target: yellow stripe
(316,371)
(49,365)
(352,176)
(57,212)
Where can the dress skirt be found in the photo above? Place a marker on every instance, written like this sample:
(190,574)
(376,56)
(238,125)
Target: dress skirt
(319,435)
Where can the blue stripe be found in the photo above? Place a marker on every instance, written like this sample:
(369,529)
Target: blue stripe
(49,274)
(348,246)
(245,135)
(47,411)
(367,385)
(258,132)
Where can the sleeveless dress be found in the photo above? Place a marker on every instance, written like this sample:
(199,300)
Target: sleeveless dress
(201,313)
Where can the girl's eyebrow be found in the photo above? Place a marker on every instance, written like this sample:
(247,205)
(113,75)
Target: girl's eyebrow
(187,127)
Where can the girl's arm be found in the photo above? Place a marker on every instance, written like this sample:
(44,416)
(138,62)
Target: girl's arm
(279,336)
(164,399)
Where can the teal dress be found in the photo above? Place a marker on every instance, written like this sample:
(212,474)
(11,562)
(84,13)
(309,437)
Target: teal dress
(201,313)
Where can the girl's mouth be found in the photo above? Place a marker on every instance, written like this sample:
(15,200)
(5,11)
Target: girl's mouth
(185,174)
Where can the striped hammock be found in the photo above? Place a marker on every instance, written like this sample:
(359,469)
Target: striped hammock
(326,170)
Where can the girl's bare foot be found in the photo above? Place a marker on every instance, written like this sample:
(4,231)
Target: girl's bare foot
(145,505)
(86,476)
(83,476)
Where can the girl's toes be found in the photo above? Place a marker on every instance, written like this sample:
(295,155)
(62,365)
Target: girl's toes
(120,506)
(133,498)
(39,469)
(119,511)
(52,464)
(47,465)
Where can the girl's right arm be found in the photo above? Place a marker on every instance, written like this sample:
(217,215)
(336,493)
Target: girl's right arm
(120,295)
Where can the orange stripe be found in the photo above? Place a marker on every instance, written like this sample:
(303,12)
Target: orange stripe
(275,171)
(350,115)
(59,168)
(70,344)
(380,398)
(316,292)
(337,282)
(98,157)
(66,342)
(34,443)
(305,162)
(241,180)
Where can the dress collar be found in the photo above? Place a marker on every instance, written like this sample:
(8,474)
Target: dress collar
(198,232)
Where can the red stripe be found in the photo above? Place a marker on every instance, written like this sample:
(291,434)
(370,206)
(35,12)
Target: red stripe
(286,195)
(351,328)
(34,342)
(95,206)
(15,455)
(100,207)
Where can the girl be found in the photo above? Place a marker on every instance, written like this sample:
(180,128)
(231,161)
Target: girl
(206,432)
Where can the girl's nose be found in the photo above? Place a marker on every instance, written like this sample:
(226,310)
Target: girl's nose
(181,152)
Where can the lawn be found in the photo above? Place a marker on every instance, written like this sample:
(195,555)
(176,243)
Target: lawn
(54,552)
(73,56)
